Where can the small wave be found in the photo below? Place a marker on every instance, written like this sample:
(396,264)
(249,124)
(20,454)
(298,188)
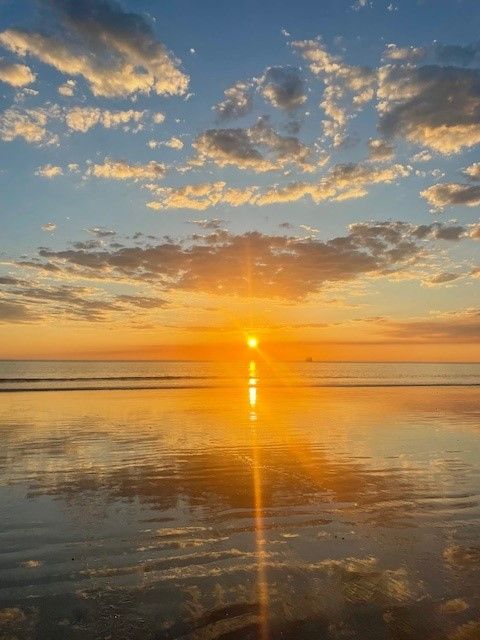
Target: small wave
(320,385)
(101,378)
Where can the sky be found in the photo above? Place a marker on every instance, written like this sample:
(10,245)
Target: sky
(176,176)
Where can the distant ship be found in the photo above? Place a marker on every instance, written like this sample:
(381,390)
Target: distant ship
(309,359)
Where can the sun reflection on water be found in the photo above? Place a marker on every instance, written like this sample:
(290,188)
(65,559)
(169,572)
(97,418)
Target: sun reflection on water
(260,541)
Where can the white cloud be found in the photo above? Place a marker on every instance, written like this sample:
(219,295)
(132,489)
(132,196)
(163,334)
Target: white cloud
(172,143)
(200,196)
(344,83)
(436,107)
(473,171)
(30,124)
(243,148)
(67,88)
(49,171)
(101,232)
(84,118)
(452,193)
(341,183)
(405,54)
(238,102)
(380,150)
(116,52)
(16,75)
(122,170)
(421,156)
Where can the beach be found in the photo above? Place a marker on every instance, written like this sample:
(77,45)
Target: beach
(242,509)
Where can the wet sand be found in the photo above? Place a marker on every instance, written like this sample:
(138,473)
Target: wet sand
(241,513)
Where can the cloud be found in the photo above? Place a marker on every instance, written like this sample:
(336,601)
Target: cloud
(311,230)
(15,312)
(209,223)
(451,193)
(238,102)
(116,52)
(143,302)
(49,171)
(122,170)
(252,264)
(172,143)
(49,227)
(283,87)
(380,150)
(342,182)
(67,89)
(200,196)
(473,171)
(100,232)
(84,118)
(440,231)
(361,4)
(455,327)
(30,124)
(29,302)
(474,231)
(421,156)
(9,280)
(16,75)
(404,54)
(443,278)
(344,84)
(258,148)
(436,107)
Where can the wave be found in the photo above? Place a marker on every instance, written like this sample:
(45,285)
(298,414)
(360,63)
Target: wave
(100,378)
(364,385)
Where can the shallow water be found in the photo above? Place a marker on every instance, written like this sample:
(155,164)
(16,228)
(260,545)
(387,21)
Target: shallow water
(241,512)
(24,375)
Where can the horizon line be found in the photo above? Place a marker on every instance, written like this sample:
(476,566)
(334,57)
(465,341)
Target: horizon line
(304,360)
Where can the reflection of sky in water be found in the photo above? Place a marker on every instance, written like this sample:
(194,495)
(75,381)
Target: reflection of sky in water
(345,513)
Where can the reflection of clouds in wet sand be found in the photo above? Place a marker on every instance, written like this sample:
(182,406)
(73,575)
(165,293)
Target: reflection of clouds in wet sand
(248,516)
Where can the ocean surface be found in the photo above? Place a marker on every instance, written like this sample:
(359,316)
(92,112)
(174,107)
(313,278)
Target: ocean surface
(52,375)
(239,502)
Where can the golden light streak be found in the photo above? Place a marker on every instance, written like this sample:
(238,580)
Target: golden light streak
(252,396)
(260,541)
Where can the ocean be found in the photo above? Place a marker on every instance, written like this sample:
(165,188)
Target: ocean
(167,500)
(60,375)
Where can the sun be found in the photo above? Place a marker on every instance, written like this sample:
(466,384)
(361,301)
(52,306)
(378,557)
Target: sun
(252,342)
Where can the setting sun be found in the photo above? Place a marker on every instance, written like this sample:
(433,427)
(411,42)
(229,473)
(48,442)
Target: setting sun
(239,265)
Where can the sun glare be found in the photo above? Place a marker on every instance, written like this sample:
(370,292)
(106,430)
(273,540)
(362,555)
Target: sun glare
(252,342)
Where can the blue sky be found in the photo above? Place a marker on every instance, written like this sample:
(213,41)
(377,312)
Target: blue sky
(323,81)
